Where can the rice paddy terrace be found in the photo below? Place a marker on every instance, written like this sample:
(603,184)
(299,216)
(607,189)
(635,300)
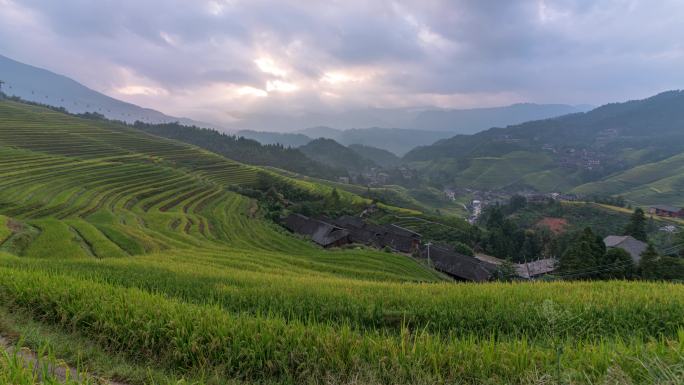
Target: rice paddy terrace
(134,247)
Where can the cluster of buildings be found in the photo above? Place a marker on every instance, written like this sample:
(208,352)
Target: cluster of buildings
(577,158)
(666,211)
(328,232)
(378,176)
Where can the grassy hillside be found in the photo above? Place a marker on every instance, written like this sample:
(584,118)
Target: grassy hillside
(133,246)
(657,182)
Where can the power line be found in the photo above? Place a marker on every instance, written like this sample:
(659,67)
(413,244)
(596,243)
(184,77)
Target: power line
(434,223)
(595,269)
(591,272)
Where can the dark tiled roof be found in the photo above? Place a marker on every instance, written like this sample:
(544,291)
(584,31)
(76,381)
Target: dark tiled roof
(348,221)
(458,265)
(394,237)
(320,232)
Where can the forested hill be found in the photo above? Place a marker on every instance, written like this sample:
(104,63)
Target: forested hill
(379,156)
(566,152)
(244,150)
(331,153)
(655,124)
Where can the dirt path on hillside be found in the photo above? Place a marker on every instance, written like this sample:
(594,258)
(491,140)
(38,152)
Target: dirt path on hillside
(60,371)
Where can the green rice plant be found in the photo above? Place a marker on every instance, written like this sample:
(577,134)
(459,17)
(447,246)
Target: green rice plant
(20,367)
(263,348)
(5,232)
(56,240)
(100,245)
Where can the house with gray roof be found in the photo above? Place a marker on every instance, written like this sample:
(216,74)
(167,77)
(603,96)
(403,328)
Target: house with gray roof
(392,236)
(322,233)
(628,243)
(526,270)
(535,269)
(459,266)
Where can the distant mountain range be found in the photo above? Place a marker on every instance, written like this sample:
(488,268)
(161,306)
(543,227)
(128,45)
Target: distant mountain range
(451,121)
(412,128)
(395,140)
(470,121)
(42,86)
(633,149)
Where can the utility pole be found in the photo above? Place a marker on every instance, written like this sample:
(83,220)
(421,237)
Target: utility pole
(428,253)
(1,83)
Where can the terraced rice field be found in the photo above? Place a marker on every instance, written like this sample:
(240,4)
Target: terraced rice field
(136,245)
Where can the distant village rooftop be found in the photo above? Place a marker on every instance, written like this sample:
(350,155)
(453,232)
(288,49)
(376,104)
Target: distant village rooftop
(628,243)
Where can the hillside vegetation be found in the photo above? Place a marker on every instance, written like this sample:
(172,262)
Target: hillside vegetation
(244,150)
(333,154)
(138,245)
(633,149)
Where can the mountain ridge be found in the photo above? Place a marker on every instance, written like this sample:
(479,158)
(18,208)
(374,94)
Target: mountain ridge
(40,85)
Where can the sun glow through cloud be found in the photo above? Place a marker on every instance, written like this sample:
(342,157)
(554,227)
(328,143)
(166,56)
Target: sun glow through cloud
(267,65)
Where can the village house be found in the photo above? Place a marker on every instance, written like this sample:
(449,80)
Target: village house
(628,243)
(322,233)
(400,239)
(328,232)
(666,211)
(527,270)
(458,266)
(395,237)
(536,269)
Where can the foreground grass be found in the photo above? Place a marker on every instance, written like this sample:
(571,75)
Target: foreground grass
(152,328)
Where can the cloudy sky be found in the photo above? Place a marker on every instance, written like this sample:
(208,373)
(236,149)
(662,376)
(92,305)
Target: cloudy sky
(218,59)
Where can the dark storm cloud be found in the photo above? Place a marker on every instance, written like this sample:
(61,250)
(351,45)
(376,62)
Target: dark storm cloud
(404,52)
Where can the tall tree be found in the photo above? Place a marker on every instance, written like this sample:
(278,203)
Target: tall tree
(583,257)
(657,267)
(616,264)
(649,266)
(637,225)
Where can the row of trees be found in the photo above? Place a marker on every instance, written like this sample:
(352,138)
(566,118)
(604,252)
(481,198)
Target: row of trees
(588,258)
(504,239)
(582,254)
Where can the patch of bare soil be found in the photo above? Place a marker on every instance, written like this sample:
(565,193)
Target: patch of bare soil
(556,225)
(14,226)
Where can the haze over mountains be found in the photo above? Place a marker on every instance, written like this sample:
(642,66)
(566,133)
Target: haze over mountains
(400,130)
(43,86)
(455,121)
(396,140)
